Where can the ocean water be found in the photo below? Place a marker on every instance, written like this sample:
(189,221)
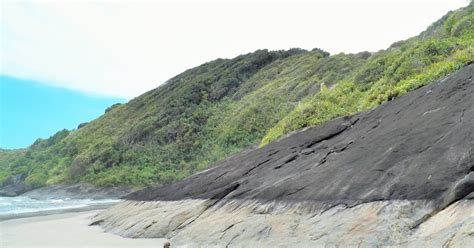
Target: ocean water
(22,204)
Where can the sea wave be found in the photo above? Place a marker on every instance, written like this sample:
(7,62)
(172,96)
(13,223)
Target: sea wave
(21,204)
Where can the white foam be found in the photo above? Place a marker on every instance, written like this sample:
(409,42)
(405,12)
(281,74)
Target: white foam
(21,204)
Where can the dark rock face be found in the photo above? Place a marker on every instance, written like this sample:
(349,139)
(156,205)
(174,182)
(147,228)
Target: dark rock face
(14,186)
(417,147)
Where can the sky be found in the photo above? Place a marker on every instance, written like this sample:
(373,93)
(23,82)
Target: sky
(30,110)
(125,48)
(63,62)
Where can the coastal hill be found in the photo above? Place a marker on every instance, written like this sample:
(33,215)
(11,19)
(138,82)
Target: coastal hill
(223,107)
(400,175)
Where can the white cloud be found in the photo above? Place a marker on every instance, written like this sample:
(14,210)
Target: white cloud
(126,48)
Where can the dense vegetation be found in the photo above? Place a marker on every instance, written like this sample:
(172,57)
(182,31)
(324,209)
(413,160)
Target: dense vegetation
(219,108)
(445,46)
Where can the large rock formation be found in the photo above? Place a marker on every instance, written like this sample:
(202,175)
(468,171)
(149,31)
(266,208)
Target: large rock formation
(399,175)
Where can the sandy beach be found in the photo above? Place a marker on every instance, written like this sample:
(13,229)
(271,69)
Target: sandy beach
(64,230)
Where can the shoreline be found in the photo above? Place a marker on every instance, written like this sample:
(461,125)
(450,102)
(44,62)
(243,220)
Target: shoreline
(65,230)
(97,206)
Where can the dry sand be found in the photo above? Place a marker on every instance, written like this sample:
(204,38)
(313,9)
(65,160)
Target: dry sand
(64,230)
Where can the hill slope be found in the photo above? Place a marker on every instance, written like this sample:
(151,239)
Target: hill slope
(219,108)
(398,175)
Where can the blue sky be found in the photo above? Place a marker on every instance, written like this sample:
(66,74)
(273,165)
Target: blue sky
(31,110)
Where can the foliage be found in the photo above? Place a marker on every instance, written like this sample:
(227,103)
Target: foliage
(388,74)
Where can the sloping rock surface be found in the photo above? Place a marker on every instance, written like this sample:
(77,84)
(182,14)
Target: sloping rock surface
(400,175)
(417,147)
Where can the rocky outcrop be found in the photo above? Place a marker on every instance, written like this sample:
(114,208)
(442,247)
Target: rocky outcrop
(78,191)
(399,175)
(14,185)
(192,223)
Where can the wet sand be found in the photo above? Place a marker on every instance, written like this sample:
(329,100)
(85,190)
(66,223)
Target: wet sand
(64,230)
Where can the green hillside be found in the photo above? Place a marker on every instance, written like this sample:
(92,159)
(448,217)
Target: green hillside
(219,108)
(445,46)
